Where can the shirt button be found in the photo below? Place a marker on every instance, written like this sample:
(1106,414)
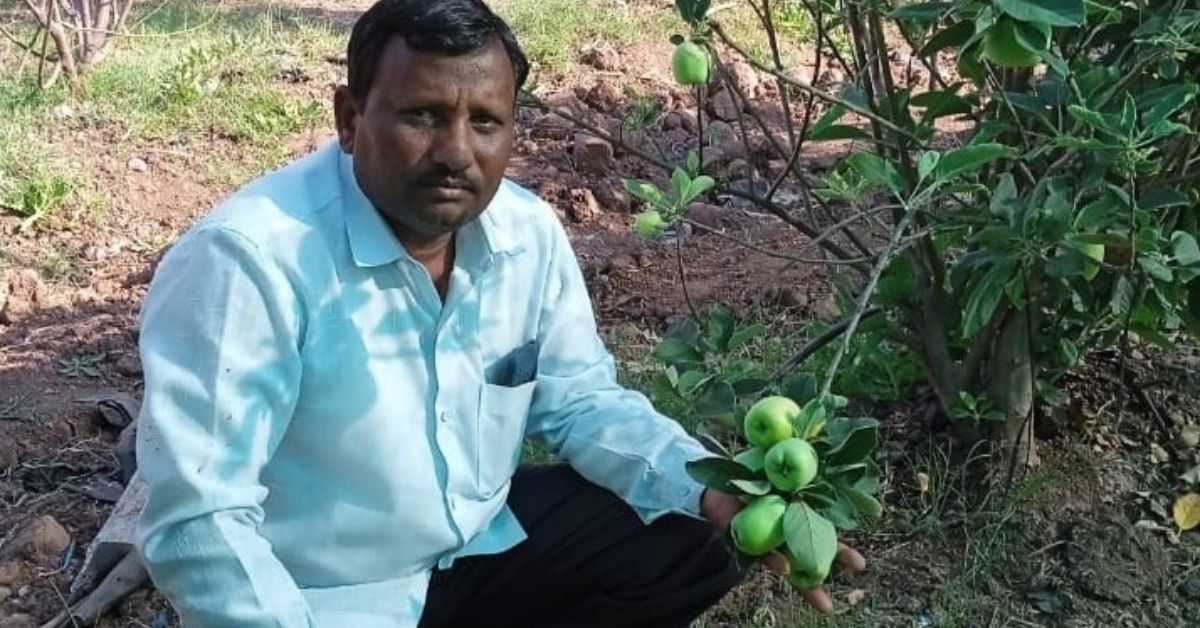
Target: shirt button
(445,415)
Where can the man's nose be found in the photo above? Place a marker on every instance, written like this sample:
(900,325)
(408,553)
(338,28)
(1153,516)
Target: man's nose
(452,148)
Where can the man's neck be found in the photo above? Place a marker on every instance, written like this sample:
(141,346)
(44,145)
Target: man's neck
(436,255)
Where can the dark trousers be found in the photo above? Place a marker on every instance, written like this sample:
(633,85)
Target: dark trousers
(588,561)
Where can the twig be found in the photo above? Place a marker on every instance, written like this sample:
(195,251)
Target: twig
(819,93)
(769,253)
(687,298)
(863,299)
(818,343)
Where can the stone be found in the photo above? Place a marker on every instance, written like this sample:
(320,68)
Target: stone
(826,308)
(25,291)
(583,207)
(723,107)
(613,197)
(8,458)
(10,572)
(137,164)
(1189,436)
(604,58)
(605,97)
(723,136)
(5,593)
(41,540)
(745,76)
(129,366)
(593,155)
(19,620)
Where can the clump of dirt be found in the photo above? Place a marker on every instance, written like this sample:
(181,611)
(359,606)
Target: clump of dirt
(1110,560)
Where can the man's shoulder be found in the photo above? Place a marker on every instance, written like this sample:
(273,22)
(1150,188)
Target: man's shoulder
(524,215)
(282,205)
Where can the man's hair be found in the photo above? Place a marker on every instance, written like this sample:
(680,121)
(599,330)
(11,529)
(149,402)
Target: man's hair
(451,27)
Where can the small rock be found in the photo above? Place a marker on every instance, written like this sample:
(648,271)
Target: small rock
(43,539)
(723,107)
(593,155)
(826,309)
(129,366)
(613,197)
(8,458)
(583,207)
(25,291)
(744,76)
(20,620)
(550,126)
(687,120)
(722,135)
(10,572)
(776,166)
(605,96)
(1158,454)
(854,597)
(603,58)
(528,147)
(1177,417)
(5,593)
(1189,437)
(739,168)
(24,591)
(672,121)
(63,112)
(137,164)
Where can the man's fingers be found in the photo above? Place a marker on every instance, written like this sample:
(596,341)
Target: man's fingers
(819,600)
(777,562)
(849,558)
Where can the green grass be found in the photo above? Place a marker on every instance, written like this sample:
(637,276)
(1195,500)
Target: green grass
(188,74)
(553,32)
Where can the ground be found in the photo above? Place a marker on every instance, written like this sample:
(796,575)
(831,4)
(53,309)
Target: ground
(205,96)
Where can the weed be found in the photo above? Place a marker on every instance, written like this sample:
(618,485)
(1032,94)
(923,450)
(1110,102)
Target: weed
(85,365)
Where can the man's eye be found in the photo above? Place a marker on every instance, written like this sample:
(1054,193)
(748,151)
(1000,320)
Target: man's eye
(420,117)
(486,123)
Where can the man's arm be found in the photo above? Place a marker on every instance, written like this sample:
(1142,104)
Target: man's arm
(219,345)
(611,435)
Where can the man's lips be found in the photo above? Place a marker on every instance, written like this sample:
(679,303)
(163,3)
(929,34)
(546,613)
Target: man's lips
(447,190)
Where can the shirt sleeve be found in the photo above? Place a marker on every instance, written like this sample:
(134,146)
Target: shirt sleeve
(611,435)
(219,343)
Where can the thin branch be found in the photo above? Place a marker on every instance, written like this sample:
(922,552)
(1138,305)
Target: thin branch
(769,253)
(819,93)
(687,298)
(865,298)
(818,343)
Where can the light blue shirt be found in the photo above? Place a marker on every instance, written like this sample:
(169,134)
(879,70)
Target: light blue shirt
(318,431)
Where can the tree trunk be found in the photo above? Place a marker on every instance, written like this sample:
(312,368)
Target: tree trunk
(1010,389)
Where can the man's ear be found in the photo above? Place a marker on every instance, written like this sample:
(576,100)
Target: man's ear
(345,116)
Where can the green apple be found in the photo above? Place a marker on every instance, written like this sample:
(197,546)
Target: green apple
(690,64)
(1095,252)
(751,459)
(805,581)
(791,464)
(770,420)
(649,224)
(758,528)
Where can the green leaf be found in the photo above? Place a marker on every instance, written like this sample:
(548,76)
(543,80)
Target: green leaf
(743,336)
(699,186)
(750,386)
(923,12)
(1005,201)
(877,171)
(677,351)
(1099,213)
(850,440)
(941,103)
(827,120)
(752,487)
(720,326)
(970,158)
(811,539)
(680,182)
(1053,12)
(1162,197)
(1187,252)
(811,419)
(716,473)
(1094,119)
(868,507)
(801,388)
(1067,264)
(841,513)
(927,164)
(717,401)
(985,296)
(1122,299)
(1156,269)
(646,192)
(835,132)
(691,381)
(952,36)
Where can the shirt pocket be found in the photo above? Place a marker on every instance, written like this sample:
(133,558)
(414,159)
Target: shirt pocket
(502,414)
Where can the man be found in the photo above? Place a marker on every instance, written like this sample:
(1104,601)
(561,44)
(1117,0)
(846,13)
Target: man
(343,360)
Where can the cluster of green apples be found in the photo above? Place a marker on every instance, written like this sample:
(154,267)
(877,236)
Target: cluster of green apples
(790,464)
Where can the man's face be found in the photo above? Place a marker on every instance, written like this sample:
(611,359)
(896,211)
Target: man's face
(433,136)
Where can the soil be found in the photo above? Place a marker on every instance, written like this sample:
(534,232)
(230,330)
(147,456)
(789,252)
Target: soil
(1094,547)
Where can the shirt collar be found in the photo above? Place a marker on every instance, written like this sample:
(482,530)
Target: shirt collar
(372,242)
